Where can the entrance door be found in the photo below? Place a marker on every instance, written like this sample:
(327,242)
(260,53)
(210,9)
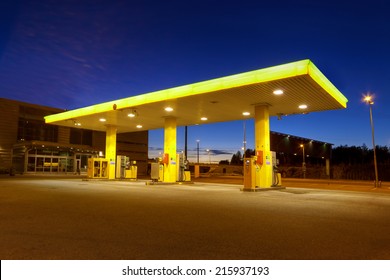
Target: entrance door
(78,166)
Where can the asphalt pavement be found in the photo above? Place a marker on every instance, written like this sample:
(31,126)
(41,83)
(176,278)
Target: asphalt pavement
(68,218)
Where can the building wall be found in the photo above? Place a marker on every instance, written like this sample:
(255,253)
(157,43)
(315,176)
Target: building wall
(135,146)
(63,135)
(8,131)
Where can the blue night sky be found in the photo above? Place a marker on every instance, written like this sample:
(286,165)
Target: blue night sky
(70,54)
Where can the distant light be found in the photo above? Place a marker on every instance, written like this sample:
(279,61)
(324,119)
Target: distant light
(203,119)
(131,115)
(77,124)
(302,106)
(102,119)
(168,109)
(139,126)
(368,99)
(278,92)
(246,113)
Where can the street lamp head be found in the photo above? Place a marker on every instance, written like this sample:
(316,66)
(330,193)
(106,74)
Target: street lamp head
(368,99)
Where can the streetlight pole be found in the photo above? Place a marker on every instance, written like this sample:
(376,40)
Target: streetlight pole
(197,150)
(370,102)
(303,161)
(244,142)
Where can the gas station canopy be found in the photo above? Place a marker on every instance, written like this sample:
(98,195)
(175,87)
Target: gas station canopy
(293,88)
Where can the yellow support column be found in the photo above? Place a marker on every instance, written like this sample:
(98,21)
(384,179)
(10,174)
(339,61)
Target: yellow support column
(262,143)
(111,150)
(170,168)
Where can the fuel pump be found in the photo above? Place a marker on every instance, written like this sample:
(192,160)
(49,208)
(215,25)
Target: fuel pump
(131,169)
(252,166)
(120,172)
(276,175)
(183,174)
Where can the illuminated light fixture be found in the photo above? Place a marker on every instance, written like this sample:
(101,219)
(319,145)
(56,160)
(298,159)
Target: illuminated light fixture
(302,106)
(132,114)
(102,120)
(246,113)
(139,126)
(203,119)
(368,99)
(278,92)
(77,123)
(168,109)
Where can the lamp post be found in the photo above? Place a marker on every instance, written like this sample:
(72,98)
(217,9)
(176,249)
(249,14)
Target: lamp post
(197,150)
(303,161)
(208,152)
(244,141)
(369,100)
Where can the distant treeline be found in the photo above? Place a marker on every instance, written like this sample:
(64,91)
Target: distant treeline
(357,163)
(359,155)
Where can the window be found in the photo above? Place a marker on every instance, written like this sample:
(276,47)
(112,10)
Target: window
(29,130)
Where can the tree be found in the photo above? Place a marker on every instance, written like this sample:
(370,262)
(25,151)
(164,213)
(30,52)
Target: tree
(236,159)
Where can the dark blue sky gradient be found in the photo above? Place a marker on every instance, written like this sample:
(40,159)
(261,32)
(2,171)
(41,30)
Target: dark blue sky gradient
(70,54)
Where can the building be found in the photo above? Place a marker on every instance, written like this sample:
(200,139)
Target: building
(29,145)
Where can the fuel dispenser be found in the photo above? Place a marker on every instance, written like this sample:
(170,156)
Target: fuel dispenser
(125,169)
(183,174)
(120,172)
(276,175)
(157,168)
(252,167)
(97,168)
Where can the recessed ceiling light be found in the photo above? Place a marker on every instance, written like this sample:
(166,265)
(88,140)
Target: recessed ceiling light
(302,106)
(132,114)
(278,92)
(246,113)
(139,126)
(168,109)
(102,119)
(203,119)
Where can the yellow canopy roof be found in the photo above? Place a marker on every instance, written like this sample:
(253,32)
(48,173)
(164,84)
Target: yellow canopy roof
(302,89)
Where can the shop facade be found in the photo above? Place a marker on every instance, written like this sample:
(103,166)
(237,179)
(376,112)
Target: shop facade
(29,145)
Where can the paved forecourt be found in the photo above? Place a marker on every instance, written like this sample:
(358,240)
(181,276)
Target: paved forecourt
(73,219)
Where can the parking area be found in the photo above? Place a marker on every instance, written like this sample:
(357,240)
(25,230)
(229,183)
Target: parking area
(62,218)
